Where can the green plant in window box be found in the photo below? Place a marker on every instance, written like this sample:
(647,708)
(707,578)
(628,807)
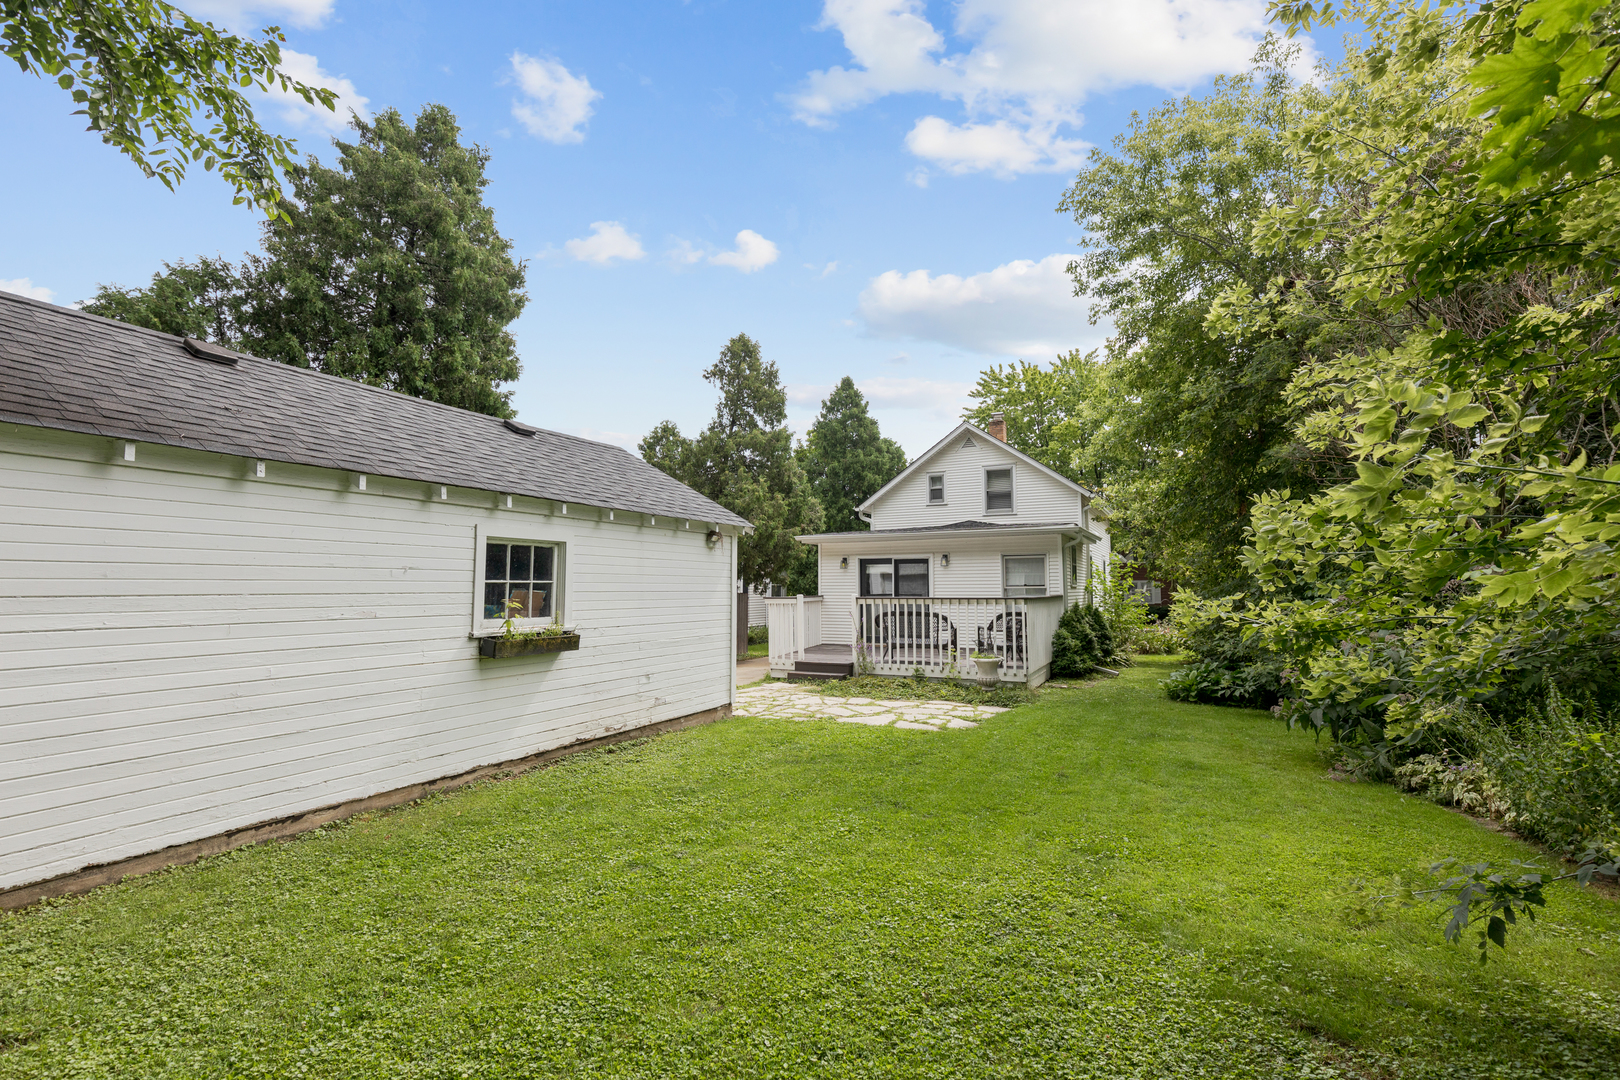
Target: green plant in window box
(513,641)
(509,626)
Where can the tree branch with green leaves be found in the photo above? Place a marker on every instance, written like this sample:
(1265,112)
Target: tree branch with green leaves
(165,89)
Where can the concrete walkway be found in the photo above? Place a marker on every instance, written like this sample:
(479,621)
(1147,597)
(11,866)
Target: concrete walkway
(753,670)
(799,701)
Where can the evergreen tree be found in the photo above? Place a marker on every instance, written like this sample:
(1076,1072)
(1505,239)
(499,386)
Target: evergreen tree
(387,269)
(847,458)
(1075,648)
(744,461)
(201,299)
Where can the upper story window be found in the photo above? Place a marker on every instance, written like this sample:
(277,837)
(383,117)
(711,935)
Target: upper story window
(936,488)
(523,576)
(998,490)
(1023,575)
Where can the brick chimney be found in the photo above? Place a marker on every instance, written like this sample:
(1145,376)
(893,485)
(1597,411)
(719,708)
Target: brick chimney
(997,426)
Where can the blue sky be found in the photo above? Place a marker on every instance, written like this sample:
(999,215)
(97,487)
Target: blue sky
(867,187)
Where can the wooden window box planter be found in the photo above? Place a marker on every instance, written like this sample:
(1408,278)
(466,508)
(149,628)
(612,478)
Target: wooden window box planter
(499,648)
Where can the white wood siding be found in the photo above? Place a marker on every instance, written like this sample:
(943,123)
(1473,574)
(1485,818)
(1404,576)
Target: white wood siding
(1037,497)
(185,649)
(975,569)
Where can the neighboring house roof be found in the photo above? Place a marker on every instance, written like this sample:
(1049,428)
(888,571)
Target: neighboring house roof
(64,369)
(960,526)
(965,428)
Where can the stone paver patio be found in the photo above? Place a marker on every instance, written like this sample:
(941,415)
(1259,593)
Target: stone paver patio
(799,701)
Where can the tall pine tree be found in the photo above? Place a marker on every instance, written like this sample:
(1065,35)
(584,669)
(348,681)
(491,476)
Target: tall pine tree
(847,458)
(744,461)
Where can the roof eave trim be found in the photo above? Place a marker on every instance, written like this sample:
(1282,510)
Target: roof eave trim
(994,530)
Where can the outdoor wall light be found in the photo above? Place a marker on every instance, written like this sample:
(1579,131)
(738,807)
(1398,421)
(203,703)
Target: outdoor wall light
(843,564)
(944,560)
(713,538)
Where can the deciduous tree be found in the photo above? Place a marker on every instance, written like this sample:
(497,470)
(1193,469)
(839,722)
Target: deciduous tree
(1194,418)
(1057,415)
(164,88)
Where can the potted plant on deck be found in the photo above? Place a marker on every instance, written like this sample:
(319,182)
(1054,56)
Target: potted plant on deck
(989,665)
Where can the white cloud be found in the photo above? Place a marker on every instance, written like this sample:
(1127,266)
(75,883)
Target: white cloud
(25,287)
(934,397)
(684,253)
(1002,148)
(608,241)
(245,16)
(930,395)
(307,70)
(556,103)
(753,252)
(1030,66)
(1022,308)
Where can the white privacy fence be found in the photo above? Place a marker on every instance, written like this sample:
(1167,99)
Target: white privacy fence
(794,625)
(898,635)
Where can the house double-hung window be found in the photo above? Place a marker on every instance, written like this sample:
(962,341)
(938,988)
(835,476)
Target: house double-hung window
(1023,575)
(520,580)
(936,489)
(998,491)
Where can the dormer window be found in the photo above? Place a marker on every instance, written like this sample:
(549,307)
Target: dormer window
(936,489)
(998,491)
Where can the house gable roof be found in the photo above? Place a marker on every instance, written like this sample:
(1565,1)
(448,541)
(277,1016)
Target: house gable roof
(979,434)
(67,370)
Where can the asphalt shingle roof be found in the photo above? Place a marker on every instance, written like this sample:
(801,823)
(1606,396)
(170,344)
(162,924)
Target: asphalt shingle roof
(64,369)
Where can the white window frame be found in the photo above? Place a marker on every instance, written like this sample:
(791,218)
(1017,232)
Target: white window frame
(984,487)
(482,537)
(928,494)
(1046,576)
(894,575)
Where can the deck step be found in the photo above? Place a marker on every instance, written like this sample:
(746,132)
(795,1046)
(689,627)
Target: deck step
(823,669)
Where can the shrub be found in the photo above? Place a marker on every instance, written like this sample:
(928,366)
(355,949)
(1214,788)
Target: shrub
(1452,781)
(1104,637)
(1210,682)
(1158,639)
(759,635)
(1120,608)
(1229,669)
(1076,649)
(1559,769)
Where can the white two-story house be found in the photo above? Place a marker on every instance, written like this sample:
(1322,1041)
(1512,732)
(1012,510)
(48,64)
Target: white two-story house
(974,547)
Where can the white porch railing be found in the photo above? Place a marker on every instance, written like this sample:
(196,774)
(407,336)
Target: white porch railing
(896,636)
(793,624)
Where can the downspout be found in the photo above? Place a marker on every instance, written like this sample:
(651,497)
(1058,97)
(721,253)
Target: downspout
(731,623)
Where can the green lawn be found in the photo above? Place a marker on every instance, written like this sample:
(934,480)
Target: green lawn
(1100,884)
